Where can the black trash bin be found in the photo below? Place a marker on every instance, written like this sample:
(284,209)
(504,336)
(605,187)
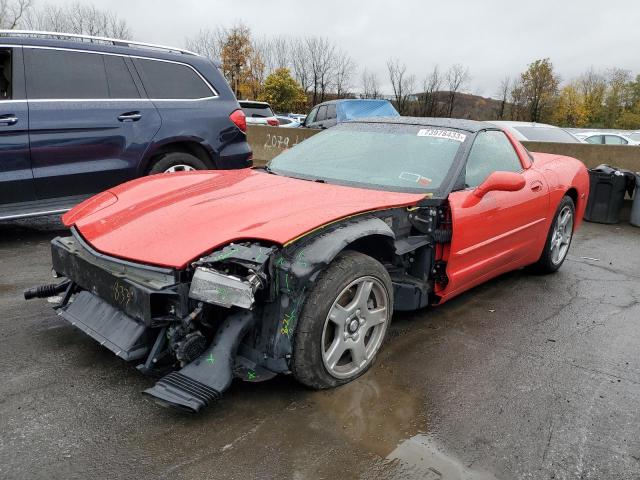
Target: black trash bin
(635,208)
(607,186)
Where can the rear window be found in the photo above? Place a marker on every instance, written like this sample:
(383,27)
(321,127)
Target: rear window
(543,134)
(256,110)
(169,80)
(367,108)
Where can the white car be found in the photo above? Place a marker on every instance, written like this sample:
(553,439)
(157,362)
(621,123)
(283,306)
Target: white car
(607,138)
(288,122)
(536,132)
(258,113)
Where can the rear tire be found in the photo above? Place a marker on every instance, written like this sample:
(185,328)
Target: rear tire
(176,162)
(347,310)
(558,239)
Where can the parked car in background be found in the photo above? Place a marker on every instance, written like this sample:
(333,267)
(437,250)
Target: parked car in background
(635,136)
(299,117)
(328,114)
(287,122)
(259,113)
(81,114)
(606,138)
(297,268)
(536,132)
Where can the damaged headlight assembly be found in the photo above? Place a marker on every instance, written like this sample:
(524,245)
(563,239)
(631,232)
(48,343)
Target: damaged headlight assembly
(213,283)
(211,286)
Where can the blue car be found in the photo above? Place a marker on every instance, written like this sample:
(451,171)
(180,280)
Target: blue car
(328,114)
(81,114)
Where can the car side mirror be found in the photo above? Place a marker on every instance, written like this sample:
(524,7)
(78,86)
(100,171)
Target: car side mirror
(496,182)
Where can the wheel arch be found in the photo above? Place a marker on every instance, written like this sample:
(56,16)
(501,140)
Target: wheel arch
(572,193)
(189,146)
(377,246)
(369,235)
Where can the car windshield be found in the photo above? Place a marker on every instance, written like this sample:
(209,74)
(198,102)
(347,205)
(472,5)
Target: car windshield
(256,110)
(544,134)
(404,158)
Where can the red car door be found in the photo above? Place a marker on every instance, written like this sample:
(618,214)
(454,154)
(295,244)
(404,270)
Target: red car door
(502,231)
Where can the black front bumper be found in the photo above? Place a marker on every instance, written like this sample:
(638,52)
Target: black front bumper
(141,292)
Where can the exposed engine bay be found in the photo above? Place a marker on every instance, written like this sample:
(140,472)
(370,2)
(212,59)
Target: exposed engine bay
(233,312)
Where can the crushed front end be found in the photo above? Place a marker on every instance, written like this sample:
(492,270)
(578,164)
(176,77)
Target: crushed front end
(183,326)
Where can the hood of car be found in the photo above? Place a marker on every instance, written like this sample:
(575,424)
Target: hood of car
(172,219)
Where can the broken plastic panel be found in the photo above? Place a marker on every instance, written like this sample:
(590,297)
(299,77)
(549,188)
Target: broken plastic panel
(211,286)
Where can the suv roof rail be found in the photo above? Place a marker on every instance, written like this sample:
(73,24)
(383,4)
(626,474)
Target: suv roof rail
(91,39)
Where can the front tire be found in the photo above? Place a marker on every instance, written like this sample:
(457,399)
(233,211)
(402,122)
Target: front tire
(558,239)
(343,322)
(176,162)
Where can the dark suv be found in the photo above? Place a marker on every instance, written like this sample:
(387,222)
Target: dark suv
(81,114)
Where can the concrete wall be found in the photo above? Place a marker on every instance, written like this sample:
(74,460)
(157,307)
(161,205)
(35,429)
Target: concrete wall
(622,156)
(267,142)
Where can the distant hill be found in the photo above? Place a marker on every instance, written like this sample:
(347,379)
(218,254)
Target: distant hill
(473,107)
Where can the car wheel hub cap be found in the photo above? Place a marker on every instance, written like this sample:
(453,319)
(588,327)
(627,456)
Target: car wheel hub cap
(355,327)
(561,236)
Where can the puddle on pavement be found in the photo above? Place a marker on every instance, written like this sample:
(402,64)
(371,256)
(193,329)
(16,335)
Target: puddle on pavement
(373,413)
(420,457)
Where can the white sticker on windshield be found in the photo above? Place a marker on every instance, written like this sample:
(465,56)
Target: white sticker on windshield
(439,133)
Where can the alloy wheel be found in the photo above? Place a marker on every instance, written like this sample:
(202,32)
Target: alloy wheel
(355,326)
(561,237)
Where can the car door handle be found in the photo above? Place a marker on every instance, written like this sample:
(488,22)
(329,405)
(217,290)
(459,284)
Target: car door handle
(10,119)
(130,117)
(536,186)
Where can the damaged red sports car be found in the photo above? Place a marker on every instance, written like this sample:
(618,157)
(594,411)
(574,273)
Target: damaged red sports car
(201,277)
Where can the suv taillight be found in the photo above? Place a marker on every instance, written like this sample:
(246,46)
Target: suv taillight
(238,117)
(273,122)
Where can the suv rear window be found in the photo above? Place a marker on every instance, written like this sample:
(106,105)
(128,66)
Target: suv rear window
(168,80)
(256,110)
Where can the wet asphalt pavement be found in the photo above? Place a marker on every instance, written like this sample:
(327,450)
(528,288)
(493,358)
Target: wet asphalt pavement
(525,377)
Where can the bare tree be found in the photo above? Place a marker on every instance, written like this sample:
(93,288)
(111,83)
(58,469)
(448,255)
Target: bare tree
(343,71)
(402,84)
(429,98)
(301,64)
(321,54)
(503,92)
(77,18)
(208,42)
(518,101)
(370,84)
(456,78)
(275,52)
(12,12)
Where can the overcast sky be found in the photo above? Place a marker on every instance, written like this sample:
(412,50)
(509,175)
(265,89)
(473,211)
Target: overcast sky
(492,37)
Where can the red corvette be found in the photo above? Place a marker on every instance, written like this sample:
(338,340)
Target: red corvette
(297,268)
